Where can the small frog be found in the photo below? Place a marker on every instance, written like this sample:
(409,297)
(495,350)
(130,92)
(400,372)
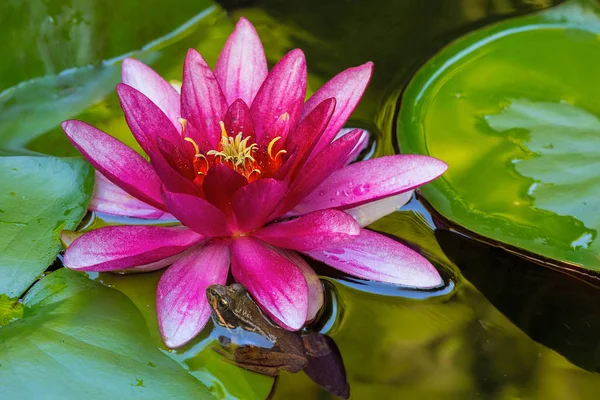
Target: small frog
(232,308)
(314,353)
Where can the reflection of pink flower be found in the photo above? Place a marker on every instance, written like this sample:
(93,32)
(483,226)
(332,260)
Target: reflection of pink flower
(254,175)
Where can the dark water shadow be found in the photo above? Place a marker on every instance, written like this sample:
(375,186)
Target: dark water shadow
(554,309)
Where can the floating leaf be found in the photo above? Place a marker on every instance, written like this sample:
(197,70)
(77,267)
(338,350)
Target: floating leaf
(40,197)
(514,110)
(79,339)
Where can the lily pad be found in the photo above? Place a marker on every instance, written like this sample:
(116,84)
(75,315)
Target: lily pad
(40,197)
(79,339)
(514,110)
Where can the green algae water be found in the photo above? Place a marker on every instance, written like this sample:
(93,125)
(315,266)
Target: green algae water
(501,327)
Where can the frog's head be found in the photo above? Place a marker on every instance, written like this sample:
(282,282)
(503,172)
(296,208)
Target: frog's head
(227,302)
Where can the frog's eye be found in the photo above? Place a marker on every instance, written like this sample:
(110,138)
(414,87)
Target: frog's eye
(223,302)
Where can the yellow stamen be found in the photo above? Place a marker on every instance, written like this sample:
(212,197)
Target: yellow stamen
(282,152)
(223,130)
(235,150)
(183,122)
(271,143)
(196,148)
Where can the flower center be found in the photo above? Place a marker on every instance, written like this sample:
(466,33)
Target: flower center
(236,152)
(241,154)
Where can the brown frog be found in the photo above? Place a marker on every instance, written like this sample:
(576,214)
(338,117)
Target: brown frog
(314,353)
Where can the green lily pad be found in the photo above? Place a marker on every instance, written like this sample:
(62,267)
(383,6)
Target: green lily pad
(79,339)
(514,110)
(40,197)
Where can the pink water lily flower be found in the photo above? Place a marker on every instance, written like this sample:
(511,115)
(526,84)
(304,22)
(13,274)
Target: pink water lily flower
(255,176)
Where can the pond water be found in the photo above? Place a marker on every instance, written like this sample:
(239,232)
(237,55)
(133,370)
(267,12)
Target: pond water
(502,327)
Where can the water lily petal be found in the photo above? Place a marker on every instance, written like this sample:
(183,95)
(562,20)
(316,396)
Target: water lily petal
(202,101)
(149,124)
(315,231)
(377,257)
(220,184)
(154,266)
(316,295)
(302,140)
(119,163)
(347,87)
(196,213)
(238,119)
(108,198)
(280,128)
(360,146)
(181,302)
(276,283)
(282,92)
(319,169)
(146,120)
(253,204)
(368,213)
(242,65)
(143,78)
(121,247)
(371,180)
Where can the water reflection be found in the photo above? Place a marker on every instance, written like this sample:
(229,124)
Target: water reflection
(253,342)
(554,309)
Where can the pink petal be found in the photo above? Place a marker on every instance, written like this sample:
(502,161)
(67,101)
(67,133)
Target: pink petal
(371,180)
(238,119)
(360,146)
(220,184)
(279,128)
(181,302)
(318,169)
(316,297)
(282,92)
(146,120)
(196,213)
(371,212)
(315,231)
(202,101)
(121,247)
(347,88)
(154,266)
(242,65)
(108,198)
(148,123)
(302,140)
(377,257)
(276,283)
(120,164)
(254,203)
(143,78)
